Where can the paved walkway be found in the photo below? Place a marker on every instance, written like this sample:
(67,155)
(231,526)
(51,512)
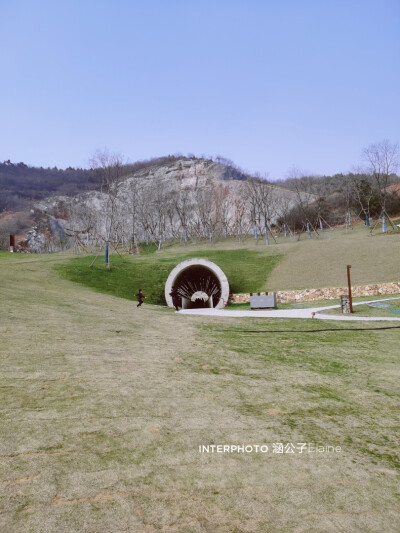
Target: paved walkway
(291,313)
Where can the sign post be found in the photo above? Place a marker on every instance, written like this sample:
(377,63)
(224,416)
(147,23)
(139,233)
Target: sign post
(349,286)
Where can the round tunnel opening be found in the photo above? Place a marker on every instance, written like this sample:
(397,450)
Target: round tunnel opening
(199,283)
(196,283)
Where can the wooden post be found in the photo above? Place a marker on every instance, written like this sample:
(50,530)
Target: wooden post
(349,286)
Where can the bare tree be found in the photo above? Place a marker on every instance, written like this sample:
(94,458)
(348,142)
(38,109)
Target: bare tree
(262,206)
(240,206)
(284,205)
(147,216)
(347,191)
(110,167)
(363,193)
(183,206)
(134,200)
(223,201)
(160,206)
(206,215)
(303,188)
(383,159)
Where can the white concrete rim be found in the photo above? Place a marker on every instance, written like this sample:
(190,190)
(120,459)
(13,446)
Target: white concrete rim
(209,265)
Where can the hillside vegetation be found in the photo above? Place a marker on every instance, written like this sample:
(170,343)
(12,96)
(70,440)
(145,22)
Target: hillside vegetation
(179,198)
(247,270)
(251,266)
(20,183)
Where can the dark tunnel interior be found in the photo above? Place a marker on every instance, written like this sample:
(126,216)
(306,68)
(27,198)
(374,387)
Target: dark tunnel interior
(194,279)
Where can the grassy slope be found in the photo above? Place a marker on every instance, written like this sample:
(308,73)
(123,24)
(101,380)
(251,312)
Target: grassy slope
(104,406)
(322,262)
(253,267)
(247,270)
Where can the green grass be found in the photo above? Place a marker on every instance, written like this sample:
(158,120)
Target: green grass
(103,407)
(321,262)
(7,256)
(367,310)
(247,270)
(250,265)
(315,381)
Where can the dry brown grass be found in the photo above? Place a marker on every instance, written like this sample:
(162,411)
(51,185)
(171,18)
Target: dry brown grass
(321,262)
(104,406)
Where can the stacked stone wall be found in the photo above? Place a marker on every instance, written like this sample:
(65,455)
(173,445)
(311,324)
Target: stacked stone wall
(312,295)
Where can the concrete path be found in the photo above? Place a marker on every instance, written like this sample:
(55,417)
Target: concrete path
(291,313)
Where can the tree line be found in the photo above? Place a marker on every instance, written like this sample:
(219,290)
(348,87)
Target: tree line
(134,210)
(21,184)
(160,210)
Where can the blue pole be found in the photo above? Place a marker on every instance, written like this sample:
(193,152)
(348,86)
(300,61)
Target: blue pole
(106,253)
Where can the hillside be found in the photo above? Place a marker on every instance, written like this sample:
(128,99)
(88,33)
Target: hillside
(20,183)
(251,266)
(173,198)
(44,206)
(184,199)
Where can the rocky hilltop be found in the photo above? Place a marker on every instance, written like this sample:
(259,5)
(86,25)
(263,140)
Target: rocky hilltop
(183,199)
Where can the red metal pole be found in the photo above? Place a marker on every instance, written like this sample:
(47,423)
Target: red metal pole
(349,285)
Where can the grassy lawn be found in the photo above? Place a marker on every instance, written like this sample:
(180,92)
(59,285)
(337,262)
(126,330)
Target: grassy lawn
(250,265)
(389,308)
(247,270)
(321,262)
(104,406)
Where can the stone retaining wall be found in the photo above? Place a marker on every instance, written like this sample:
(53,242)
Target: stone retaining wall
(311,295)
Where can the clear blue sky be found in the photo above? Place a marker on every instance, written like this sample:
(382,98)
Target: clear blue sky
(270,84)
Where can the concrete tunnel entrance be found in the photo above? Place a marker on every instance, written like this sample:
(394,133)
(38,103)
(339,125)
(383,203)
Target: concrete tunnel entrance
(200,283)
